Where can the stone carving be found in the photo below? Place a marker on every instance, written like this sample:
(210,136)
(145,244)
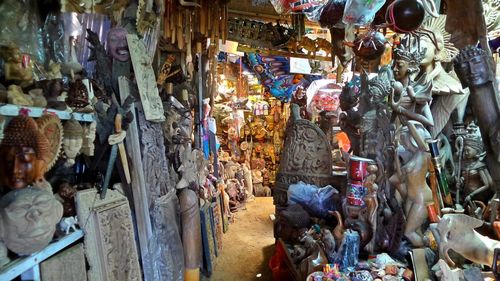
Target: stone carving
(154,160)
(109,236)
(52,128)
(146,81)
(66,265)
(306,157)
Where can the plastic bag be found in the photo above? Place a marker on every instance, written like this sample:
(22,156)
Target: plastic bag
(165,258)
(317,201)
(331,14)
(361,12)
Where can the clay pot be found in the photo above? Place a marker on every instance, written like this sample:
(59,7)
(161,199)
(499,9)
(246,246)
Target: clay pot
(369,46)
(405,15)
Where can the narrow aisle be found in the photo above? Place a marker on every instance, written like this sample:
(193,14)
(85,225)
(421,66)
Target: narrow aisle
(248,245)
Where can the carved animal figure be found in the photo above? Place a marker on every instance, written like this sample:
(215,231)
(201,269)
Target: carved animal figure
(456,232)
(68,223)
(324,45)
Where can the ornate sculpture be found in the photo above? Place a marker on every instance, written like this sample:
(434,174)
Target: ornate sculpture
(73,140)
(51,127)
(413,96)
(410,179)
(350,119)
(447,92)
(19,210)
(78,96)
(475,71)
(24,152)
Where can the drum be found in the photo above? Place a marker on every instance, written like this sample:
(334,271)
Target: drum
(357,168)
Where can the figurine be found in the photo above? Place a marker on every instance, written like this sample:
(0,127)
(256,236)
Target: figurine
(52,90)
(19,209)
(350,118)
(24,153)
(413,96)
(456,232)
(72,141)
(447,93)
(68,223)
(89,134)
(37,97)
(54,71)
(117,44)
(15,95)
(475,177)
(476,71)
(16,67)
(410,178)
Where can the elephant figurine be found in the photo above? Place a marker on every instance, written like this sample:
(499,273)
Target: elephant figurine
(456,232)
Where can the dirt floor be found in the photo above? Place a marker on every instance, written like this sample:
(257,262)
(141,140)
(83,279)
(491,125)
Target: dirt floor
(247,245)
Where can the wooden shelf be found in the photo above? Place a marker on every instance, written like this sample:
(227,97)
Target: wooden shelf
(13,110)
(23,264)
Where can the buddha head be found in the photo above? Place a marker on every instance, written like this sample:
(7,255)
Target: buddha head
(73,140)
(406,63)
(28,218)
(24,153)
(473,67)
(117,44)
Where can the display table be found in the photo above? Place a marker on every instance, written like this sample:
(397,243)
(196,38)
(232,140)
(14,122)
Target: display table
(19,266)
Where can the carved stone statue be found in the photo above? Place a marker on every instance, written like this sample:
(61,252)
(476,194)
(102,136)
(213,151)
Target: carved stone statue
(410,179)
(23,153)
(476,71)
(73,140)
(447,93)
(28,219)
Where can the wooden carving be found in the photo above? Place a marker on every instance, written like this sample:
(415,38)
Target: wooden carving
(67,265)
(51,127)
(109,236)
(146,81)
(154,160)
(306,157)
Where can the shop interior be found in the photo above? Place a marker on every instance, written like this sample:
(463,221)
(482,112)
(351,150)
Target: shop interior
(216,140)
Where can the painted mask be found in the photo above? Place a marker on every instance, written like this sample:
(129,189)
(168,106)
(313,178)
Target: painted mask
(117,44)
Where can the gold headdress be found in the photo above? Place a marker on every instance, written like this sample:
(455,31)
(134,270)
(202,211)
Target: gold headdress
(437,25)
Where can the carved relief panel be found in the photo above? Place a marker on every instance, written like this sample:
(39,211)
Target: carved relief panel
(109,236)
(306,157)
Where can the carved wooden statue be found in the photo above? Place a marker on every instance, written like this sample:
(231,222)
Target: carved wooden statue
(447,93)
(410,179)
(475,71)
(456,232)
(413,97)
